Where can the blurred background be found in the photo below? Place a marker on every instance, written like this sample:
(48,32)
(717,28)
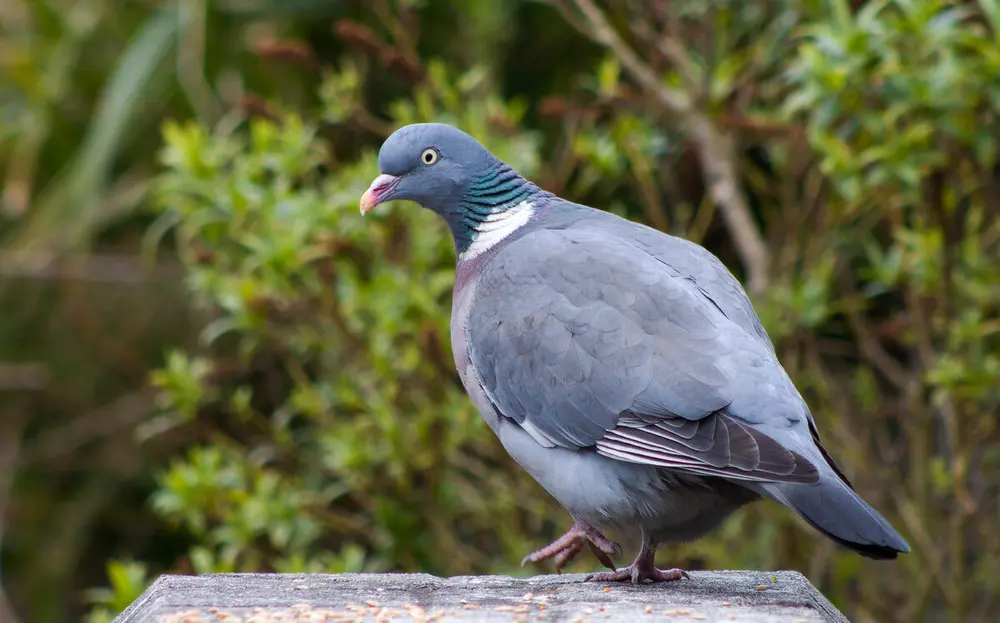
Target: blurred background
(209,362)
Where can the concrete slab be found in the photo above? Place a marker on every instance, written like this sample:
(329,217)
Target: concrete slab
(742,596)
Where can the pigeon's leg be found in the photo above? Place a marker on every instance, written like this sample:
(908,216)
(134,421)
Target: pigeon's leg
(566,547)
(642,569)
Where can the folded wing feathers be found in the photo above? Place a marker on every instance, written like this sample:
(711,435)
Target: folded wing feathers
(716,445)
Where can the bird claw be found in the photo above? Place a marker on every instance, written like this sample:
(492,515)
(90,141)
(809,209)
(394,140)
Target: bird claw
(565,548)
(603,556)
(567,555)
(633,573)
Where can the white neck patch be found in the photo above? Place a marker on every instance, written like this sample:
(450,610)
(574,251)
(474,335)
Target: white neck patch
(496,227)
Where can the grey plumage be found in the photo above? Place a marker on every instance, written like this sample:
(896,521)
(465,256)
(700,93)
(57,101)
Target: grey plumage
(623,368)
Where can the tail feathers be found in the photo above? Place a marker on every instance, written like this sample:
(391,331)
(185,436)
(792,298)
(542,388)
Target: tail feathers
(834,509)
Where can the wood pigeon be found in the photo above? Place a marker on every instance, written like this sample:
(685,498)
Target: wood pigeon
(623,368)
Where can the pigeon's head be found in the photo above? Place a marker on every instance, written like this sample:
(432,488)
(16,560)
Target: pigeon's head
(429,163)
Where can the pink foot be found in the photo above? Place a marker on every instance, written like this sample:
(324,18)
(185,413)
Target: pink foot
(642,568)
(637,576)
(565,548)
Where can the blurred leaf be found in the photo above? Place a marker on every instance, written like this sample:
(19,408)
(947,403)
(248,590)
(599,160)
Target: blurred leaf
(75,197)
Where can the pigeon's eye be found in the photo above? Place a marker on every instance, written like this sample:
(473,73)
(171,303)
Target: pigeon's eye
(430,156)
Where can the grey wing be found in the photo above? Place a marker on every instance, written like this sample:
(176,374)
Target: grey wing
(707,272)
(587,342)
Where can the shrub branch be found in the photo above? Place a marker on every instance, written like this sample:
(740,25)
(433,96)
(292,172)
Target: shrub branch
(716,149)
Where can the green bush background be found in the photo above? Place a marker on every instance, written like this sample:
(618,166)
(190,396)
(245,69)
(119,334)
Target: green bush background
(210,362)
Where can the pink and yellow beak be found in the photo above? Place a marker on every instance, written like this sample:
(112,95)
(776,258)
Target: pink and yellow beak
(379,192)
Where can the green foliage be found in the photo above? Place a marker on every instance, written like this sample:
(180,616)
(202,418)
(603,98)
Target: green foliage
(901,103)
(128,580)
(315,421)
(887,89)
